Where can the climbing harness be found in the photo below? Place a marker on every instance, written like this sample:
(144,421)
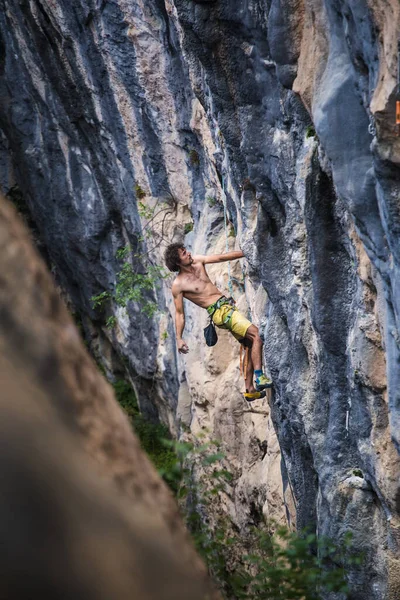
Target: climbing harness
(220,302)
(210,333)
(244,356)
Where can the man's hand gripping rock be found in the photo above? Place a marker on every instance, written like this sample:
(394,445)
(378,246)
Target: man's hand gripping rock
(182,347)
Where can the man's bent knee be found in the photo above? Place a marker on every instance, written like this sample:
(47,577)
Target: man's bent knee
(252,334)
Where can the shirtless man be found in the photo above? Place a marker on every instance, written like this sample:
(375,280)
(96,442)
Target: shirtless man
(193,283)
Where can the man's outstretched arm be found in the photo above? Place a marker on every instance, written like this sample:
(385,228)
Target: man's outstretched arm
(179,321)
(218,258)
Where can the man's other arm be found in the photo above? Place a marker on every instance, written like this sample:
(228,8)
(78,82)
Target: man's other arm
(179,320)
(218,258)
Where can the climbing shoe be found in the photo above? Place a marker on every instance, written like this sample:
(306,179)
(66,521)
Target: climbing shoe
(250,396)
(263,382)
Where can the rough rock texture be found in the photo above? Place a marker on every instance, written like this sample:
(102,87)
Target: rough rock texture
(69,456)
(284,111)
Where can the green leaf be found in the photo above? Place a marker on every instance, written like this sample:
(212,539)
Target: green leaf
(111,321)
(99,300)
(213,458)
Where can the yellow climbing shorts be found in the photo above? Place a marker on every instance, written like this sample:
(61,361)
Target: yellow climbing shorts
(237,324)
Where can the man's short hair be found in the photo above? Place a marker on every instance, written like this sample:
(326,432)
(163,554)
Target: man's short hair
(171,256)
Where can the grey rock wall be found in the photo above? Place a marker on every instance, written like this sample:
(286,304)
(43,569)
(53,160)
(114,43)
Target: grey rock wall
(330,326)
(284,110)
(70,108)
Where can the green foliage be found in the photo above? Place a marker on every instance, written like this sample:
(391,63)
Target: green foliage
(149,309)
(188,228)
(126,397)
(196,496)
(152,436)
(139,191)
(164,335)
(310,131)
(281,566)
(123,253)
(99,300)
(292,566)
(232,232)
(187,455)
(111,322)
(211,201)
(358,473)
(131,286)
(194,157)
(151,212)
(144,211)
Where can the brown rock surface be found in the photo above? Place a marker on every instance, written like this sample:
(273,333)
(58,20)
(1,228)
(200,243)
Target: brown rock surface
(63,430)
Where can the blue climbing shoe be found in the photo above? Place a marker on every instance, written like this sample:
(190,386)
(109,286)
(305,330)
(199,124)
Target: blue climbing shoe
(262,383)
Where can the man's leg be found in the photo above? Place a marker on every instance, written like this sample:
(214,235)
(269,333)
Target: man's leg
(256,347)
(249,381)
(247,333)
(248,365)
(262,382)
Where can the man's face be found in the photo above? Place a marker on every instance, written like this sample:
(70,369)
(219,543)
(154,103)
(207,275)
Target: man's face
(185,257)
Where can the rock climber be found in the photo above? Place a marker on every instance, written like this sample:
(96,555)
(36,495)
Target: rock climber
(193,283)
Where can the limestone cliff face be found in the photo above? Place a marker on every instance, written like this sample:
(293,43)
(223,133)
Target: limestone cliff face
(283,110)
